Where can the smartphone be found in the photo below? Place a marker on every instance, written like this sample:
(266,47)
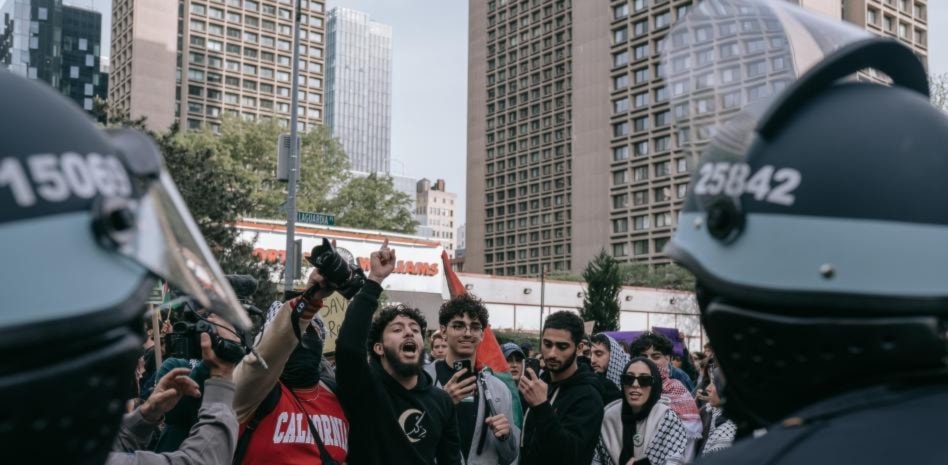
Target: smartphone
(461,365)
(533,364)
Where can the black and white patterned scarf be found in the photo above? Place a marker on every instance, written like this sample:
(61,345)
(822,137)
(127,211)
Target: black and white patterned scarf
(721,432)
(618,359)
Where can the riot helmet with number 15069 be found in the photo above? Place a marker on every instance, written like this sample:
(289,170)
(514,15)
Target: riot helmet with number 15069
(89,220)
(815,221)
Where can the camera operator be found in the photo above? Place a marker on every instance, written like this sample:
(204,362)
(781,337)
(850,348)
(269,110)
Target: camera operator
(280,406)
(212,438)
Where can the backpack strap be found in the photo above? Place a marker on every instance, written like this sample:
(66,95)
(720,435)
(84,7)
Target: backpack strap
(269,403)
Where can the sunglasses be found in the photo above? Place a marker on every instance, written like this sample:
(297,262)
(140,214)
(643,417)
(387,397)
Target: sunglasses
(644,380)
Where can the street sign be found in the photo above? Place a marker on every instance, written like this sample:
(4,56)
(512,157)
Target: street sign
(315,218)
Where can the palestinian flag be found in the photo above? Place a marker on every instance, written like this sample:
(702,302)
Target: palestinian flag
(489,354)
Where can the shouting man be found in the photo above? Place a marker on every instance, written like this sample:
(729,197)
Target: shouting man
(396,415)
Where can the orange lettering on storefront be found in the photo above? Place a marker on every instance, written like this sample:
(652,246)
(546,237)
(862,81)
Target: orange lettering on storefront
(408,267)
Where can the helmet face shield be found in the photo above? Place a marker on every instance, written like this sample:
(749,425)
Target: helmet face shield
(169,244)
(728,54)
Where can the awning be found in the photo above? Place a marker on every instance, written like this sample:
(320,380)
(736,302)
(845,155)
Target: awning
(428,302)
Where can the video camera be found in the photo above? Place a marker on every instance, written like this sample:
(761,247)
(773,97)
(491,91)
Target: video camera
(184,340)
(340,271)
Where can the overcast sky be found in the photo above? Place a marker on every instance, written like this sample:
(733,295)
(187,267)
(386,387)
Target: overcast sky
(429,102)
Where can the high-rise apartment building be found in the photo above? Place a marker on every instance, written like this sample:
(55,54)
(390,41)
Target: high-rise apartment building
(436,213)
(571,147)
(359,88)
(211,58)
(57,44)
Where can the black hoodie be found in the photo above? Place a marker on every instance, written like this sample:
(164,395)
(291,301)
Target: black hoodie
(565,431)
(388,423)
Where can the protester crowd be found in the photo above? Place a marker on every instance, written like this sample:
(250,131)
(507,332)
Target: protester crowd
(392,395)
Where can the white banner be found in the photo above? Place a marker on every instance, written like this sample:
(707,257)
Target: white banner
(418,267)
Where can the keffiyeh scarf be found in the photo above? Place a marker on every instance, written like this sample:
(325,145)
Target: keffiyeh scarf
(618,359)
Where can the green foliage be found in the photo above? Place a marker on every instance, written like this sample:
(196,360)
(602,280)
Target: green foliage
(668,276)
(217,194)
(601,302)
(938,84)
(373,203)
(253,146)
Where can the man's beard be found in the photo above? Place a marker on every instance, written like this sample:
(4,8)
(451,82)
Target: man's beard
(404,370)
(563,367)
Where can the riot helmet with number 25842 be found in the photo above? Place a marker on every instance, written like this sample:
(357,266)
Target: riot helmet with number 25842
(815,221)
(89,220)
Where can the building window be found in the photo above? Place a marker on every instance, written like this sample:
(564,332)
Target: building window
(661,194)
(43,15)
(620,153)
(620,201)
(620,11)
(682,191)
(640,247)
(662,20)
(639,198)
(618,250)
(640,100)
(661,118)
(640,173)
(641,124)
(640,28)
(620,177)
(662,169)
(620,82)
(620,58)
(621,105)
(74,72)
(757,68)
(662,219)
(641,75)
(620,225)
(641,148)
(662,144)
(620,129)
(620,35)
(640,223)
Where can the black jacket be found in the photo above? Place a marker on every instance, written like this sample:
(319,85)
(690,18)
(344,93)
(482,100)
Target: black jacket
(387,423)
(877,426)
(566,430)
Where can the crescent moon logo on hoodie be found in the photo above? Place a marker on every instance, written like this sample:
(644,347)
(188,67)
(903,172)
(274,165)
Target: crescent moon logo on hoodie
(410,421)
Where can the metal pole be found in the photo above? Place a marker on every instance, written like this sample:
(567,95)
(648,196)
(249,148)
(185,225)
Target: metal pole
(542,295)
(289,272)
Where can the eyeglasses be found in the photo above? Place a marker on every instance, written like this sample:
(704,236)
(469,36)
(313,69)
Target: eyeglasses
(459,327)
(644,380)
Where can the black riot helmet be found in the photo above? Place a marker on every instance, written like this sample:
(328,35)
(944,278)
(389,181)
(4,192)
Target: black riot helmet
(89,220)
(815,221)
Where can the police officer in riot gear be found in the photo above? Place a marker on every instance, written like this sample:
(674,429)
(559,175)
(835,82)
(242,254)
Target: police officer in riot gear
(89,220)
(817,228)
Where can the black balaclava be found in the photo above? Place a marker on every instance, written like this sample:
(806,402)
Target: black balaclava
(629,417)
(303,367)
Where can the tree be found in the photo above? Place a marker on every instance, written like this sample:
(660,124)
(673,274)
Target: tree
(373,203)
(217,193)
(669,276)
(253,147)
(601,302)
(938,85)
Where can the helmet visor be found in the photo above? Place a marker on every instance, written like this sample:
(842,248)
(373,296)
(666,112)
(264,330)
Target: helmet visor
(731,57)
(169,244)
